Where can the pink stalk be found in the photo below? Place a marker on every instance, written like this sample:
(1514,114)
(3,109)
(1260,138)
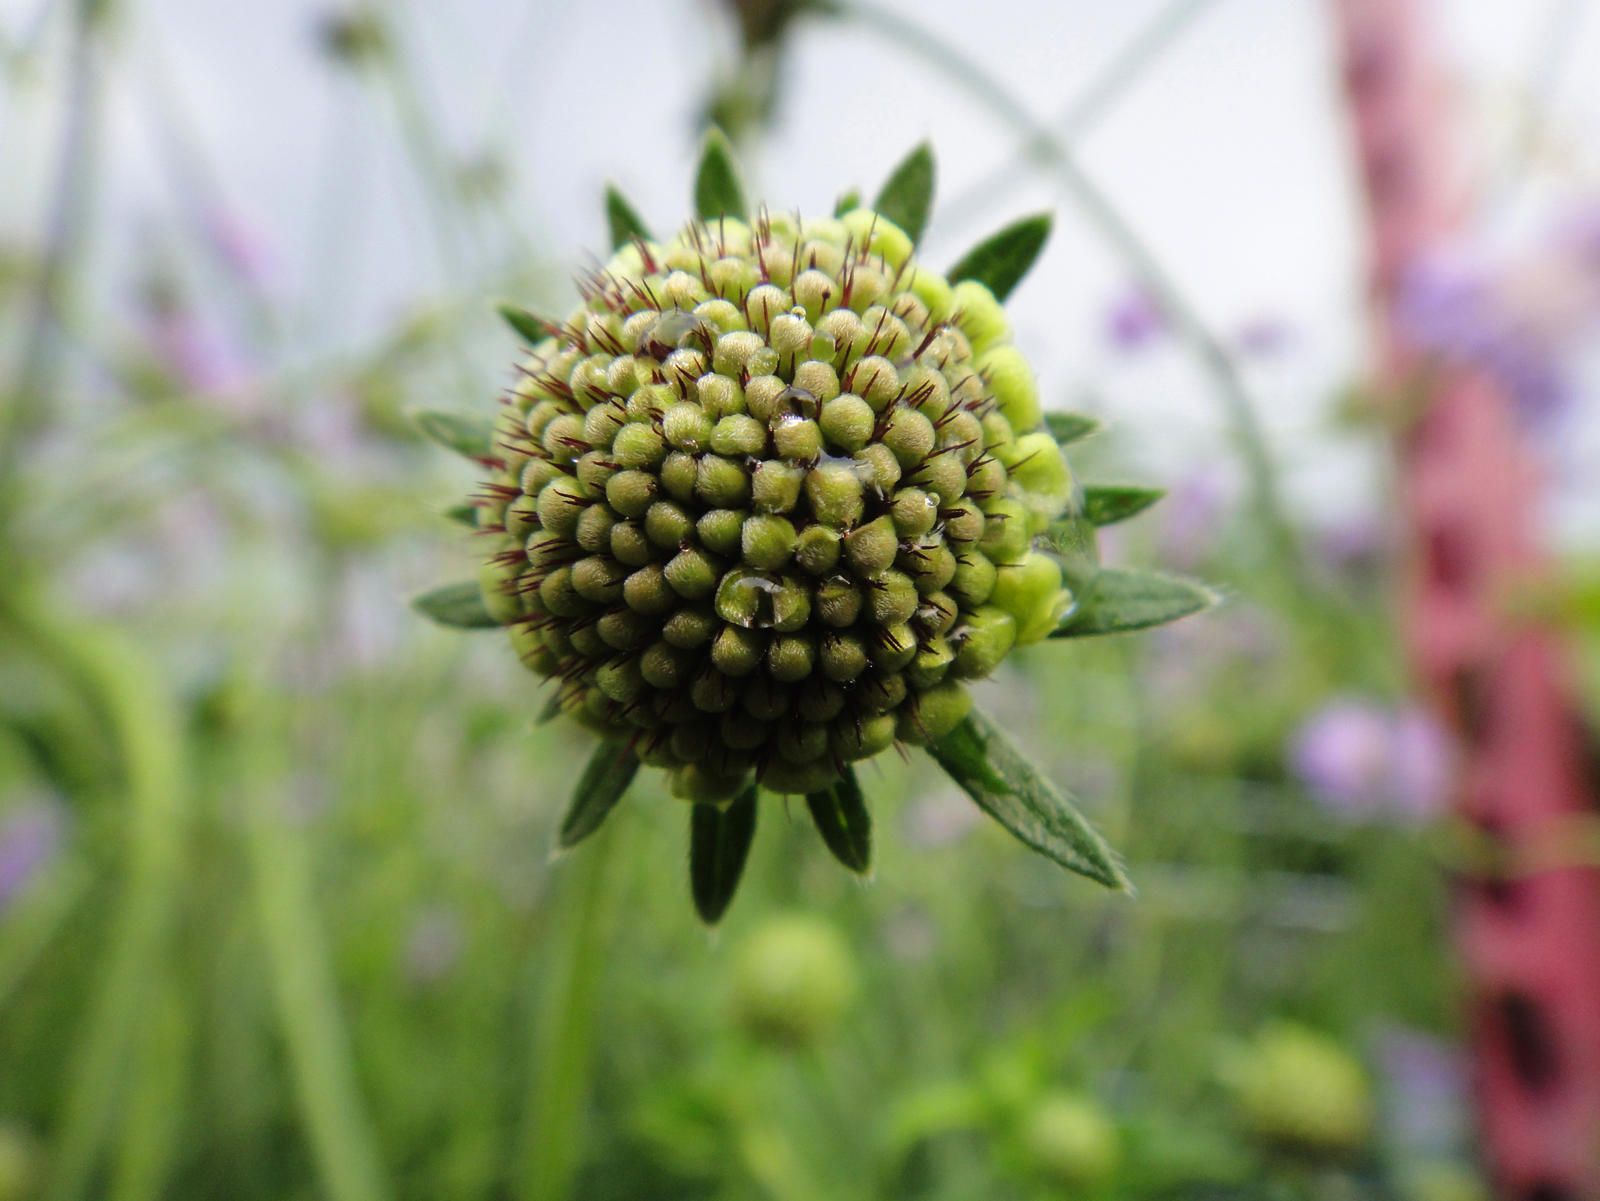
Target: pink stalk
(1529,936)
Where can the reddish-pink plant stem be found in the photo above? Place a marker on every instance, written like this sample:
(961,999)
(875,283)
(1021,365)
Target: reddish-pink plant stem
(1530,938)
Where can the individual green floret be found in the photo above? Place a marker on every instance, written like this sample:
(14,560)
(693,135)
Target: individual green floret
(768,500)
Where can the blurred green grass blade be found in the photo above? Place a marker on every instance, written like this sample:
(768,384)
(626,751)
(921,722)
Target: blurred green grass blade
(1001,260)
(1072,427)
(907,195)
(459,606)
(332,1113)
(144,723)
(623,221)
(718,186)
(1107,504)
(465,433)
(1120,600)
(994,773)
(148,1143)
(848,202)
(841,817)
(32,920)
(719,844)
(610,770)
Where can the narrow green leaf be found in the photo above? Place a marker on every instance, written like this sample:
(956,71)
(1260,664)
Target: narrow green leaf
(1000,261)
(1072,543)
(1120,600)
(553,708)
(1010,789)
(625,223)
(465,433)
(1107,504)
(718,187)
(849,202)
(1071,427)
(611,769)
(719,843)
(459,606)
(907,195)
(466,513)
(530,327)
(844,823)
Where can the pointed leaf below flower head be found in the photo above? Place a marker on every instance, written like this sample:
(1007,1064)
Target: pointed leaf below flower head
(1107,504)
(1000,261)
(841,816)
(1120,600)
(849,202)
(907,195)
(718,184)
(466,513)
(610,770)
(625,224)
(465,433)
(719,844)
(530,327)
(1071,427)
(459,606)
(994,773)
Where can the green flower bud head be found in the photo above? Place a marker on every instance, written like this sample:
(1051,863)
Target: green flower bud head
(1297,1088)
(764,503)
(1069,1139)
(793,980)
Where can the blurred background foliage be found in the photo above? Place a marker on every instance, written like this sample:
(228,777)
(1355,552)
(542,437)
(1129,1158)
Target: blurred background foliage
(278,917)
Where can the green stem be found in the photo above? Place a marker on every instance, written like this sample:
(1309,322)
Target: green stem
(146,728)
(571,968)
(304,988)
(1243,422)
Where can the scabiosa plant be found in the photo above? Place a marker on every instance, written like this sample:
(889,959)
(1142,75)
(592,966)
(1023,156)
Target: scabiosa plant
(770,498)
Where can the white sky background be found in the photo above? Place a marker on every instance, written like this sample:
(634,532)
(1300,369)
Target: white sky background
(1228,156)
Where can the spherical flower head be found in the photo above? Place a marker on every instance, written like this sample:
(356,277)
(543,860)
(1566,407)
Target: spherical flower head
(768,500)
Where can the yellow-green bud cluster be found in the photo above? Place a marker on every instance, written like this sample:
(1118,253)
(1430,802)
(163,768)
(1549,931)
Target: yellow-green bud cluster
(769,498)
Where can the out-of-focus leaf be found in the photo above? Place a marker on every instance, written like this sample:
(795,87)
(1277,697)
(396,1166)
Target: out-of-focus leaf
(1120,600)
(994,773)
(1001,260)
(625,224)
(466,513)
(459,606)
(907,195)
(465,433)
(1107,504)
(611,769)
(1071,427)
(530,327)
(719,844)
(840,813)
(718,185)
(850,201)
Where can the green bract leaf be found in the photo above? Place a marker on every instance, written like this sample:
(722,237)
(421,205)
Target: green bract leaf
(1120,600)
(1072,543)
(465,433)
(847,203)
(907,195)
(719,843)
(1107,504)
(1007,787)
(611,769)
(625,224)
(999,262)
(1071,427)
(530,327)
(459,606)
(718,187)
(844,823)
(466,513)
(553,708)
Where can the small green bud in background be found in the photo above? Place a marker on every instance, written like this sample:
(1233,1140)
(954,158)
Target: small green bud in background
(1295,1087)
(1069,1139)
(793,980)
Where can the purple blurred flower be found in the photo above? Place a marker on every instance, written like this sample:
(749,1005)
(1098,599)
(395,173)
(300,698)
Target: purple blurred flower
(433,945)
(1365,761)
(30,836)
(1424,1092)
(1264,336)
(1134,320)
(1193,514)
(242,249)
